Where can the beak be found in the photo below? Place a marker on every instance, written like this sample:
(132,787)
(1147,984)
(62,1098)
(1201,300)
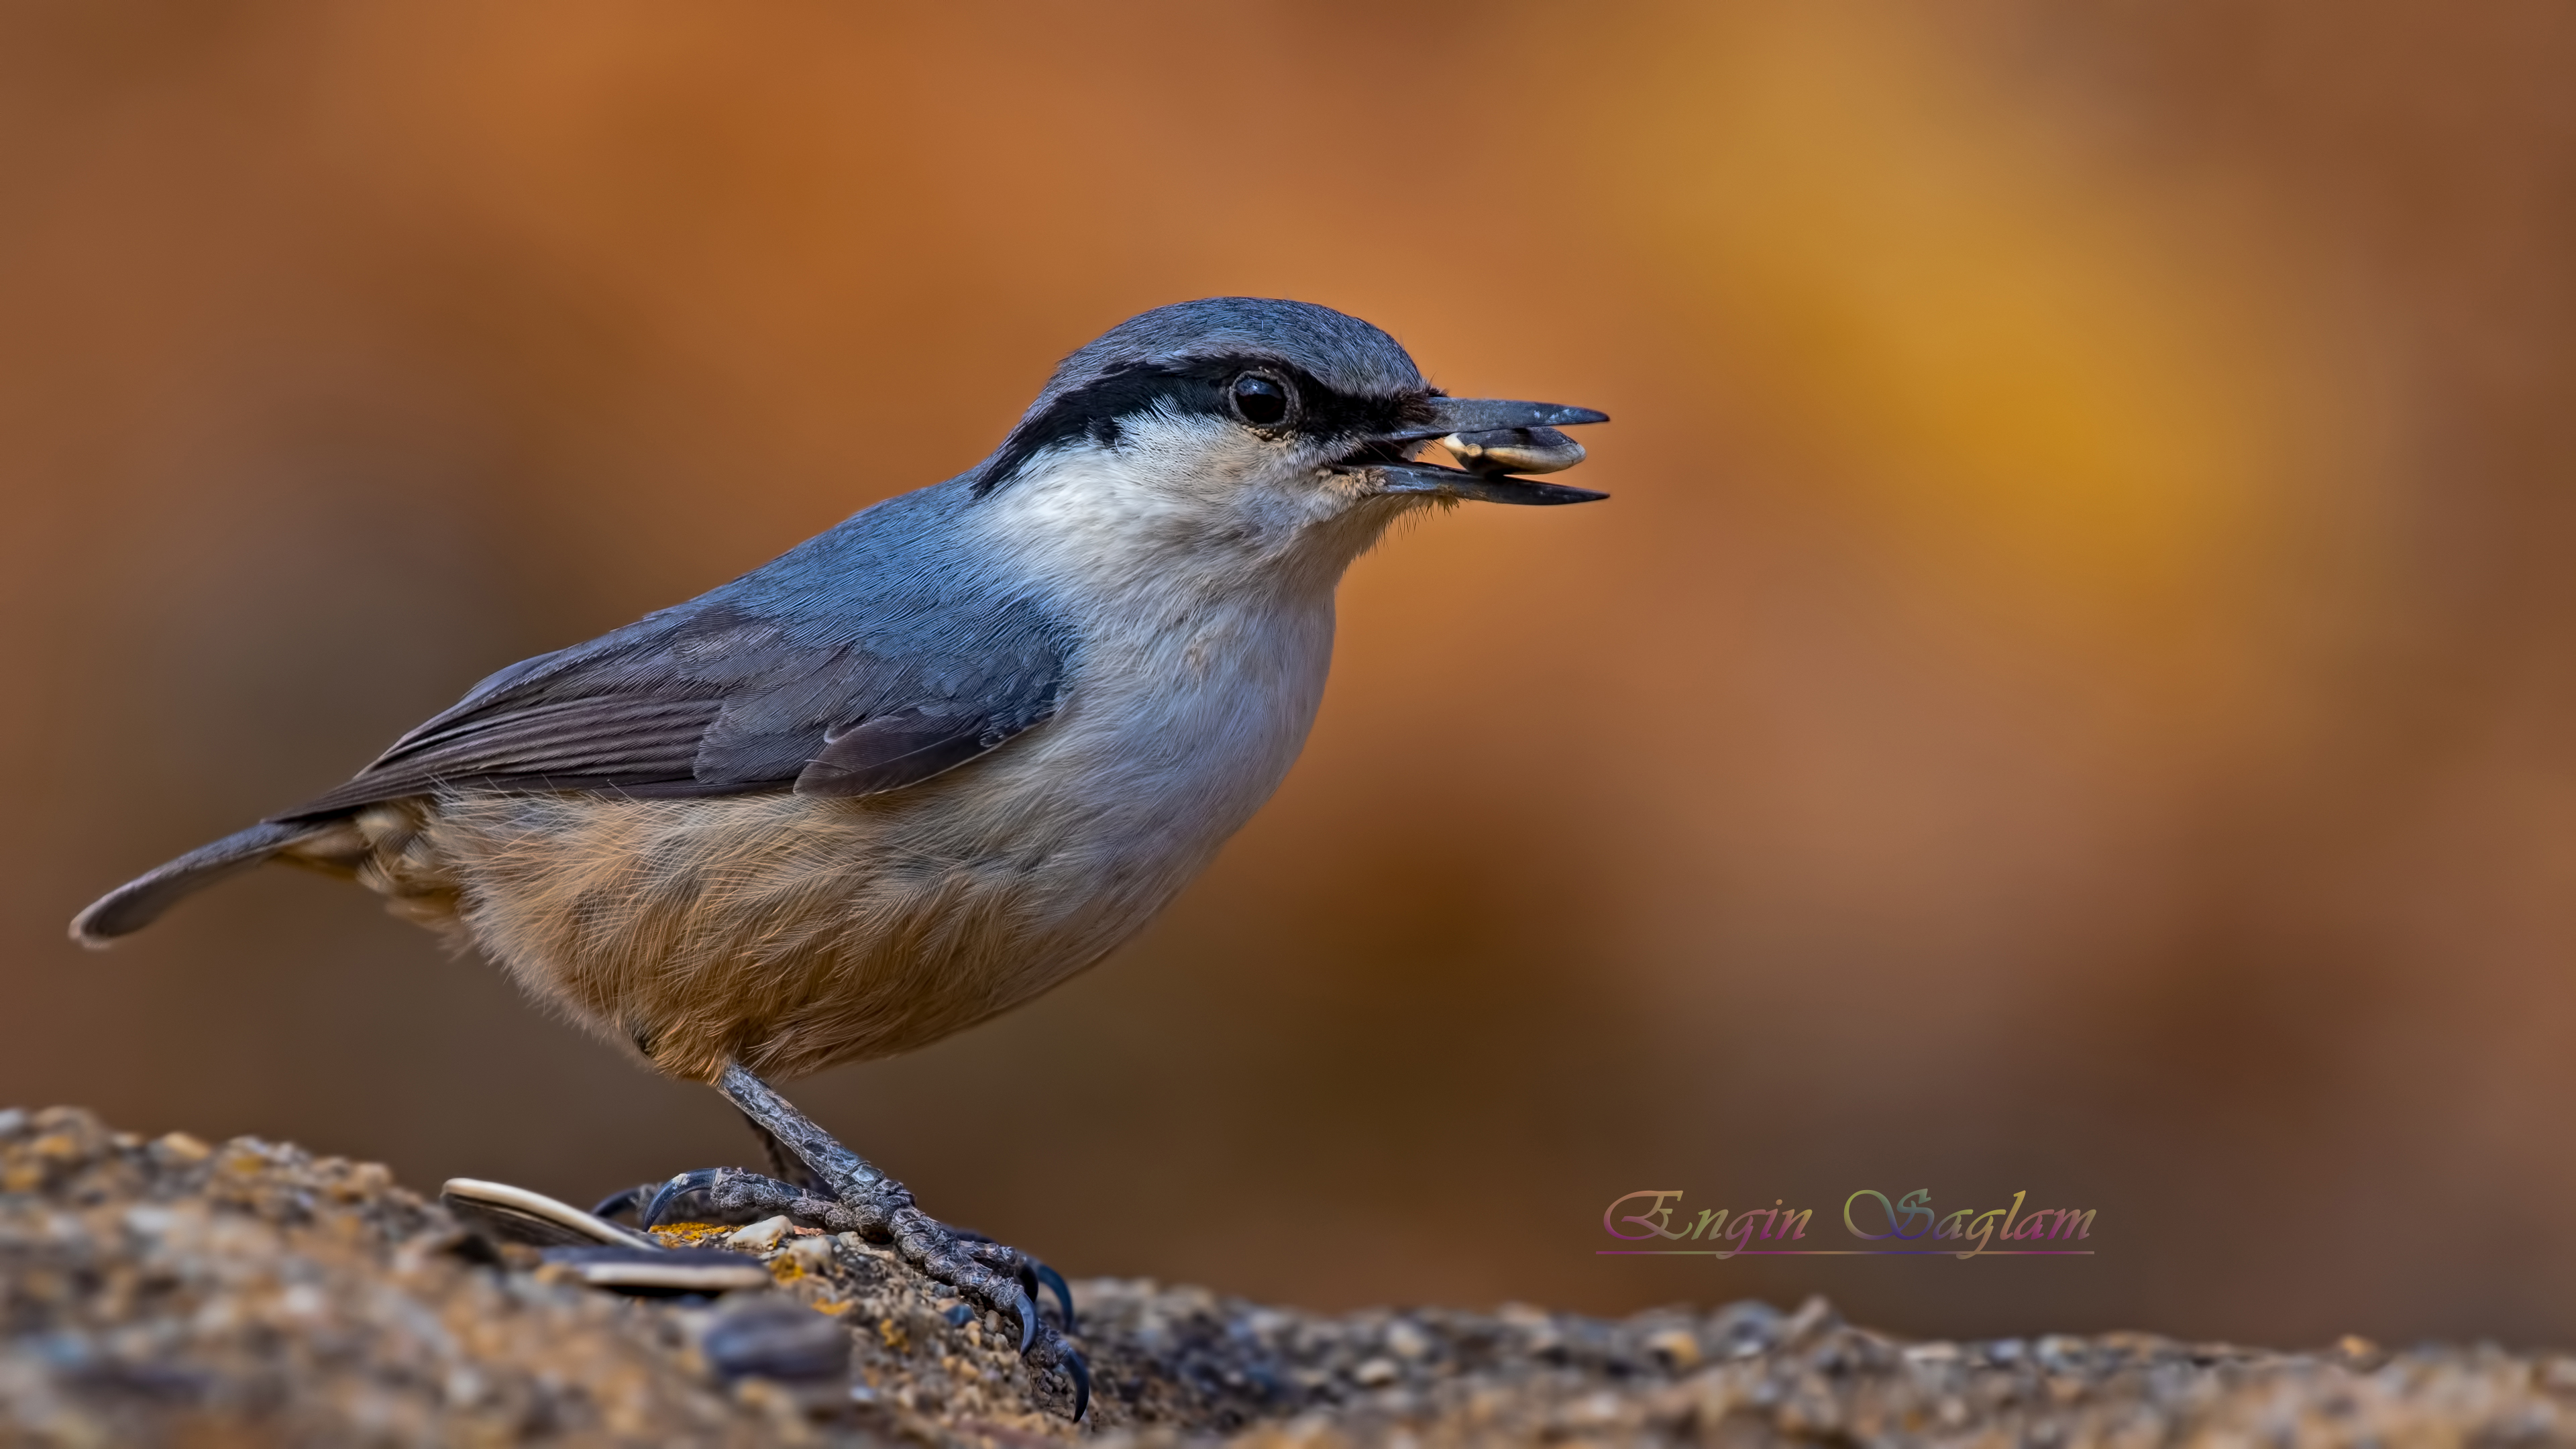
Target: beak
(1433,479)
(1445,415)
(1520,424)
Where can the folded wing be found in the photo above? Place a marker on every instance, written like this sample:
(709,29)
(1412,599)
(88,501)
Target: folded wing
(720,698)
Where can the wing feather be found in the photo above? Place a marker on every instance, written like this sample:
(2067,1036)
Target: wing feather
(715,698)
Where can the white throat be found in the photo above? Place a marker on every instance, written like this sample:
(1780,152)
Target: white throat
(1181,511)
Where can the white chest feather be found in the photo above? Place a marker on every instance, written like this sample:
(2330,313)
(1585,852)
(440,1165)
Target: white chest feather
(1206,618)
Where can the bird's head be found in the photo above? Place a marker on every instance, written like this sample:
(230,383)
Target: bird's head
(1276,426)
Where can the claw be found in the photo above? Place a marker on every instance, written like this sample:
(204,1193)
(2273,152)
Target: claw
(678,1187)
(1080,1372)
(1056,1285)
(1027,1308)
(616,1202)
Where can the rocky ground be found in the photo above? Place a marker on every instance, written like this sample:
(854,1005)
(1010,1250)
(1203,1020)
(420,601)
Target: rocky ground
(175,1292)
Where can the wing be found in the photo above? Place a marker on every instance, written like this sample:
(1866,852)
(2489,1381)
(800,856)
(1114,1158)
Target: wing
(743,690)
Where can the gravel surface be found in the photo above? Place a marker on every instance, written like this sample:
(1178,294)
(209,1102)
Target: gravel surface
(172,1291)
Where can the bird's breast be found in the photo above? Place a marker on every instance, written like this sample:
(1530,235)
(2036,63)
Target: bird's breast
(1176,723)
(1204,638)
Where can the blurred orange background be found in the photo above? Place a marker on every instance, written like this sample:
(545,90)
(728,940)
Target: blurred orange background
(2075,691)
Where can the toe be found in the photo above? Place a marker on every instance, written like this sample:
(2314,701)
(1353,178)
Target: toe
(677,1188)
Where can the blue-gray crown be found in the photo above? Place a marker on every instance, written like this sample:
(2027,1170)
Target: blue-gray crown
(1341,351)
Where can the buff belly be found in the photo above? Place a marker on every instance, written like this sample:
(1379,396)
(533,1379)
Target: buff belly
(786,933)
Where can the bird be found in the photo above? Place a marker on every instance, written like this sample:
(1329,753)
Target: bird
(930,762)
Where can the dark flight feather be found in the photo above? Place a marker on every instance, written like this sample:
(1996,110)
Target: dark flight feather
(140,902)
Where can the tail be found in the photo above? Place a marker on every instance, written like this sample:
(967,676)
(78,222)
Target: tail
(140,902)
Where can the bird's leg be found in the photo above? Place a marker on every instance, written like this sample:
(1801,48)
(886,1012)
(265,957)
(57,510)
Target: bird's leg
(855,1197)
(843,1172)
(798,1151)
(784,1165)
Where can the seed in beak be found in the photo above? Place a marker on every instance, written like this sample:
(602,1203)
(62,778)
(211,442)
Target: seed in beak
(1514,450)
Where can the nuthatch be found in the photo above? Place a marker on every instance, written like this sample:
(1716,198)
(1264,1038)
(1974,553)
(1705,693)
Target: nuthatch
(931,762)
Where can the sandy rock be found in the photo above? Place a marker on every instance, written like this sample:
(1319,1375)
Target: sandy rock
(173,1291)
(760,1237)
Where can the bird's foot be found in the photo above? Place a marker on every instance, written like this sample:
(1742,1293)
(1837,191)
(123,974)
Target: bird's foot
(989,1275)
(731,1192)
(856,1198)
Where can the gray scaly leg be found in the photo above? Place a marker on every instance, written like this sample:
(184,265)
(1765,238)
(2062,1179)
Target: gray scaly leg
(865,1201)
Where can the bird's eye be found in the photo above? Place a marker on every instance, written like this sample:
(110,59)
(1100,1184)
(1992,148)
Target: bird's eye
(1260,401)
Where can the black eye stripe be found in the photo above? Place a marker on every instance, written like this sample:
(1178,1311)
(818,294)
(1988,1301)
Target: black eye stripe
(1198,385)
